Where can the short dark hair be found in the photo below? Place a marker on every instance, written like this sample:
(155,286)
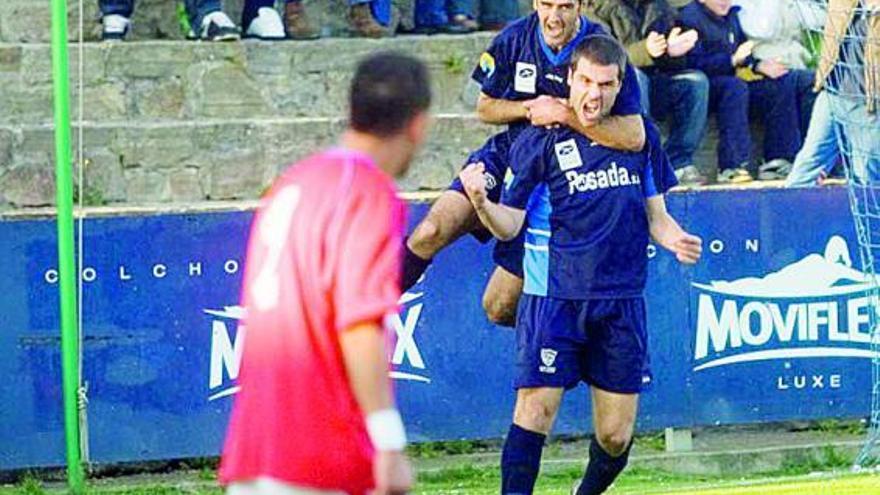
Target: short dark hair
(388,90)
(600,49)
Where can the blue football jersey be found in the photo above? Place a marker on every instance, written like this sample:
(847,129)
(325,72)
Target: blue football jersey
(586,222)
(518,65)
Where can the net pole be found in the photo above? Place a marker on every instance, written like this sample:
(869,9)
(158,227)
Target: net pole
(66,266)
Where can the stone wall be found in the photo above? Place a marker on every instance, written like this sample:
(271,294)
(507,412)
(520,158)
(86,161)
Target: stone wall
(175,121)
(28,21)
(178,121)
(187,80)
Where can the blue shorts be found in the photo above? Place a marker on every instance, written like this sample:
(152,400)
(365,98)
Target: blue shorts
(493,154)
(509,254)
(496,169)
(562,342)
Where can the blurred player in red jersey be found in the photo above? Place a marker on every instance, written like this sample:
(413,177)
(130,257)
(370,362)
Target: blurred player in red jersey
(316,414)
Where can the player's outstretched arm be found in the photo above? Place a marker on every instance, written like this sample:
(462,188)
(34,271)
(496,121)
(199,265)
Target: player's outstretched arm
(502,221)
(669,234)
(363,350)
(620,132)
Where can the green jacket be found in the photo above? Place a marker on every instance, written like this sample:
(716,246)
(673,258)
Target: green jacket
(630,21)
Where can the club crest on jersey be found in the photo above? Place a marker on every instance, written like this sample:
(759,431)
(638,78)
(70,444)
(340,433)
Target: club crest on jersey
(526,76)
(568,155)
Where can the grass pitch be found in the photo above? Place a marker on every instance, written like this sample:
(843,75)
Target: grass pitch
(484,481)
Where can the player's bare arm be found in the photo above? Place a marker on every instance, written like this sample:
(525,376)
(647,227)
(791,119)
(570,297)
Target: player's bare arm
(620,132)
(502,221)
(498,111)
(668,233)
(363,350)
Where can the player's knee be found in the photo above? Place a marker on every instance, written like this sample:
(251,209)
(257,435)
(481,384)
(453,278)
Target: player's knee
(614,442)
(427,238)
(535,414)
(499,310)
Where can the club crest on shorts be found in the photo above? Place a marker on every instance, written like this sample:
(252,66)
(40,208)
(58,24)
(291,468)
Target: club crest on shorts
(548,357)
(490,181)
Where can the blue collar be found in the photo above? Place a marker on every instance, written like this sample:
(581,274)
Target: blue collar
(565,54)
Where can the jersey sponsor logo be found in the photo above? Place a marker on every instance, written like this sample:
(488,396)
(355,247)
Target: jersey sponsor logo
(487,64)
(555,78)
(816,307)
(611,177)
(548,357)
(525,78)
(568,155)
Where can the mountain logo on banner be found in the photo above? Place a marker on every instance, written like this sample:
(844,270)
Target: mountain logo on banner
(816,307)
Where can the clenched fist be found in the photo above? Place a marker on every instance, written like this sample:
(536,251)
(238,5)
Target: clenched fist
(474,181)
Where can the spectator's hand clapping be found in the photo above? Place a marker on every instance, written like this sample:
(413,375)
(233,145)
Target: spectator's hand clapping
(679,43)
(656,44)
(547,111)
(774,69)
(742,53)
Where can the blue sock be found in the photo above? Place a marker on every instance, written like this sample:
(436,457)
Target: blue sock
(413,267)
(602,469)
(521,461)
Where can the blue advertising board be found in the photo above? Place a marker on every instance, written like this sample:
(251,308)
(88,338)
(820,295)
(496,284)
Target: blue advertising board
(772,324)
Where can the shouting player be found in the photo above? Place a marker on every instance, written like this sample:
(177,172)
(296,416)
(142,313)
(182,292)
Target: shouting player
(588,212)
(523,79)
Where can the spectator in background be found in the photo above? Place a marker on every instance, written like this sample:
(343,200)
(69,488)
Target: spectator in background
(206,17)
(296,20)
(849,89)
(367,18)
(372,18)
(779,34)
(657,47)
(740,82)
(495,14)
(444,16)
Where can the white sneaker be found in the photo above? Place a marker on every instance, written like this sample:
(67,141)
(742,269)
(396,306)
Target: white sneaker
(689,176)
(267,25)
(217,26)
(115,27)
(777,169)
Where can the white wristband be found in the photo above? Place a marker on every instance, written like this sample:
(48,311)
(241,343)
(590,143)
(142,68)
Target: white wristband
(385,428)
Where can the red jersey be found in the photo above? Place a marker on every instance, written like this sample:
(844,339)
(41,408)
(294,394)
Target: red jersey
(323,256)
